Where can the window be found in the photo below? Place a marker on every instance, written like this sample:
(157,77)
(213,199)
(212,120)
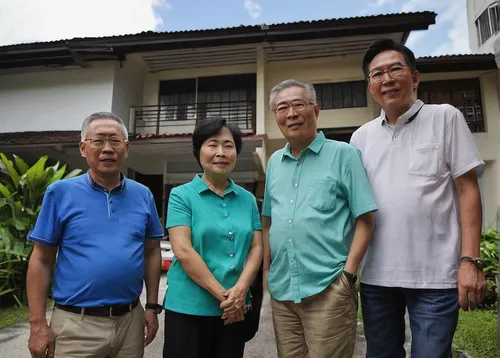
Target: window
(488,23)
(463,94)
(341,94)
(229,96)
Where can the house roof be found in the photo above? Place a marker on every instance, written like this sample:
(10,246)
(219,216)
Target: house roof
(79,50)
(455,63)
(39,138)
(73,137)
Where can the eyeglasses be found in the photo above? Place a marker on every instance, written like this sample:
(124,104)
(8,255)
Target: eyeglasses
(298,106)
(393,71)
(99,143)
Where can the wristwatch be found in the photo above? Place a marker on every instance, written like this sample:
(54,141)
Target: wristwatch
(156,308)
(475,260)
(352,278)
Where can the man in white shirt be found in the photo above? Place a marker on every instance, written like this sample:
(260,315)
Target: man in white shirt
(422,164)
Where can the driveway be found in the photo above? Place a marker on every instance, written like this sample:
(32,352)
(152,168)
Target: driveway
(14,339)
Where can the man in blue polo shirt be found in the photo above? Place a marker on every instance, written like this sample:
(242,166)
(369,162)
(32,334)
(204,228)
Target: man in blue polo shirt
(317,224)
(105,231)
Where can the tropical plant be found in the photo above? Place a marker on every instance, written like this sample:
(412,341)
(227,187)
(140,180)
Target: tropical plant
(489,254)
(21,193)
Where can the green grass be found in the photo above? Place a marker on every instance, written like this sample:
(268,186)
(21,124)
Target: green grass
(11,315)
(477,333)
(15,314)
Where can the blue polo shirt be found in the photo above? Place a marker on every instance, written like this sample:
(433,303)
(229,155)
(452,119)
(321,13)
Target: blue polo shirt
(313,202)
(100,235)
(222,232)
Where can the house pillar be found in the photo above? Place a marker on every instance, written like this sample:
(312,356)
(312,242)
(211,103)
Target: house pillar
(261,99)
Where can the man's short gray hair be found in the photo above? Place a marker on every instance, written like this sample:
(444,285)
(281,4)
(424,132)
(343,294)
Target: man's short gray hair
(102,115)
(309,89)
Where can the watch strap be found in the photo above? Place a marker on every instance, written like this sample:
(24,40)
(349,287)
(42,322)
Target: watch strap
(154,307)
(475,260)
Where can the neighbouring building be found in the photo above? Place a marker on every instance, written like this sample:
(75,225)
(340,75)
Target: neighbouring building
(483,17)
(162,83)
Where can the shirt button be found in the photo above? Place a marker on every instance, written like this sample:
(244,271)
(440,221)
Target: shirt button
(230,233)
(295,185)
(231,255)
(231,238)
(232,267)
(292,258)
(291,201)
(225,215)
(289,240)
(289,221)
(224,205)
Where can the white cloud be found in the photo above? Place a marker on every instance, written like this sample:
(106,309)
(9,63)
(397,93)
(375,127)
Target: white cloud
(452,18)
(253,8)
(48,20)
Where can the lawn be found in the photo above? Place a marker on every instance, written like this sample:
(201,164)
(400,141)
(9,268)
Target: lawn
(11,315)
(15,314)
(477,333)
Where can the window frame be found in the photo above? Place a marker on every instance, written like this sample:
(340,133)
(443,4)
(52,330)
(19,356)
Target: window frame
(346,90)
(485,21)
(462,84)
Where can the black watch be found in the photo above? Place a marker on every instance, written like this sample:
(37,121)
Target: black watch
(475,260)
(352,278)
(156,308)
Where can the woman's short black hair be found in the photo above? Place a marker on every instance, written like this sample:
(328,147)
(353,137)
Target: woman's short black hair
(386,44)
(209,127)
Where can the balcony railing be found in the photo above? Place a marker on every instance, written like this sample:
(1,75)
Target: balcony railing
(181,118)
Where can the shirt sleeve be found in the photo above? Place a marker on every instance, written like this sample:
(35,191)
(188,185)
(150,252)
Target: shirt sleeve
(154,229)
(266,205)
(179,211)
(48,227)
(461,152)
(256,216)
(355,180)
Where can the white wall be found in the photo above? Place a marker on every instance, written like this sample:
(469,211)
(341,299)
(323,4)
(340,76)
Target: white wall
(474,9)
(54,100)
(128,88)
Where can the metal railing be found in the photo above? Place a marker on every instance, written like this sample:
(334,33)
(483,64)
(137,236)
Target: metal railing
(181,118)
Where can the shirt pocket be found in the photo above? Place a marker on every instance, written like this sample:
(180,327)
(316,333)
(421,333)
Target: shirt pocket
(424,159)
(321,194)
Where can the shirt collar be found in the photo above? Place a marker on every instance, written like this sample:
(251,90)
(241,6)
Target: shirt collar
(408,116)
(200,185)
(315,146)
(95,185)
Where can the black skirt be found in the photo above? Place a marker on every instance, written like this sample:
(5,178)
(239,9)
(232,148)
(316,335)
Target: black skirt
(189,336)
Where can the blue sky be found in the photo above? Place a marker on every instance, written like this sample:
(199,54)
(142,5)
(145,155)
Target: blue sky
(47,20)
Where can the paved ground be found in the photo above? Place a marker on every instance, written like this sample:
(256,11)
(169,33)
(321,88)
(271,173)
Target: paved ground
(13,339)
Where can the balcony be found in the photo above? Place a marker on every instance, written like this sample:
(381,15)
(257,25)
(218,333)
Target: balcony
(181,118)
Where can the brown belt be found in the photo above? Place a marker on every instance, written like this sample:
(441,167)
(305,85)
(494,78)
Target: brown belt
(101,311)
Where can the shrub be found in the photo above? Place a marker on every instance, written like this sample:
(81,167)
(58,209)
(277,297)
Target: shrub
(489,253)
(21,193)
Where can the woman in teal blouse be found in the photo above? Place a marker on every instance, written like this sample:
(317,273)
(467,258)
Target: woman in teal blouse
(215,232)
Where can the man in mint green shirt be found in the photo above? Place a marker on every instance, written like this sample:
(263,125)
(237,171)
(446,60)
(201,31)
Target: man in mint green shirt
(317,224)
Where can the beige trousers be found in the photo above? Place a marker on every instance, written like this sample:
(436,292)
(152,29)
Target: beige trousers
(321,326)
(85,336)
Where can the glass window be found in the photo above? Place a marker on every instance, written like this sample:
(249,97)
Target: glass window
(341,94)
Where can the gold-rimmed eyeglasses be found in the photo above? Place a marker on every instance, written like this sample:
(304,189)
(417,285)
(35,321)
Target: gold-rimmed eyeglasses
(298,106)
(99,143)
(395,70)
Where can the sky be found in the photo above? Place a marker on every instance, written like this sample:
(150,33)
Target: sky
(24,21)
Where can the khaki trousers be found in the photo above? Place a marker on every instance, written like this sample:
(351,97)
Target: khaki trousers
(321,326)
(84,336)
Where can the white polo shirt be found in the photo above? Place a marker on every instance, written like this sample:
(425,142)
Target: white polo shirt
(411,168)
